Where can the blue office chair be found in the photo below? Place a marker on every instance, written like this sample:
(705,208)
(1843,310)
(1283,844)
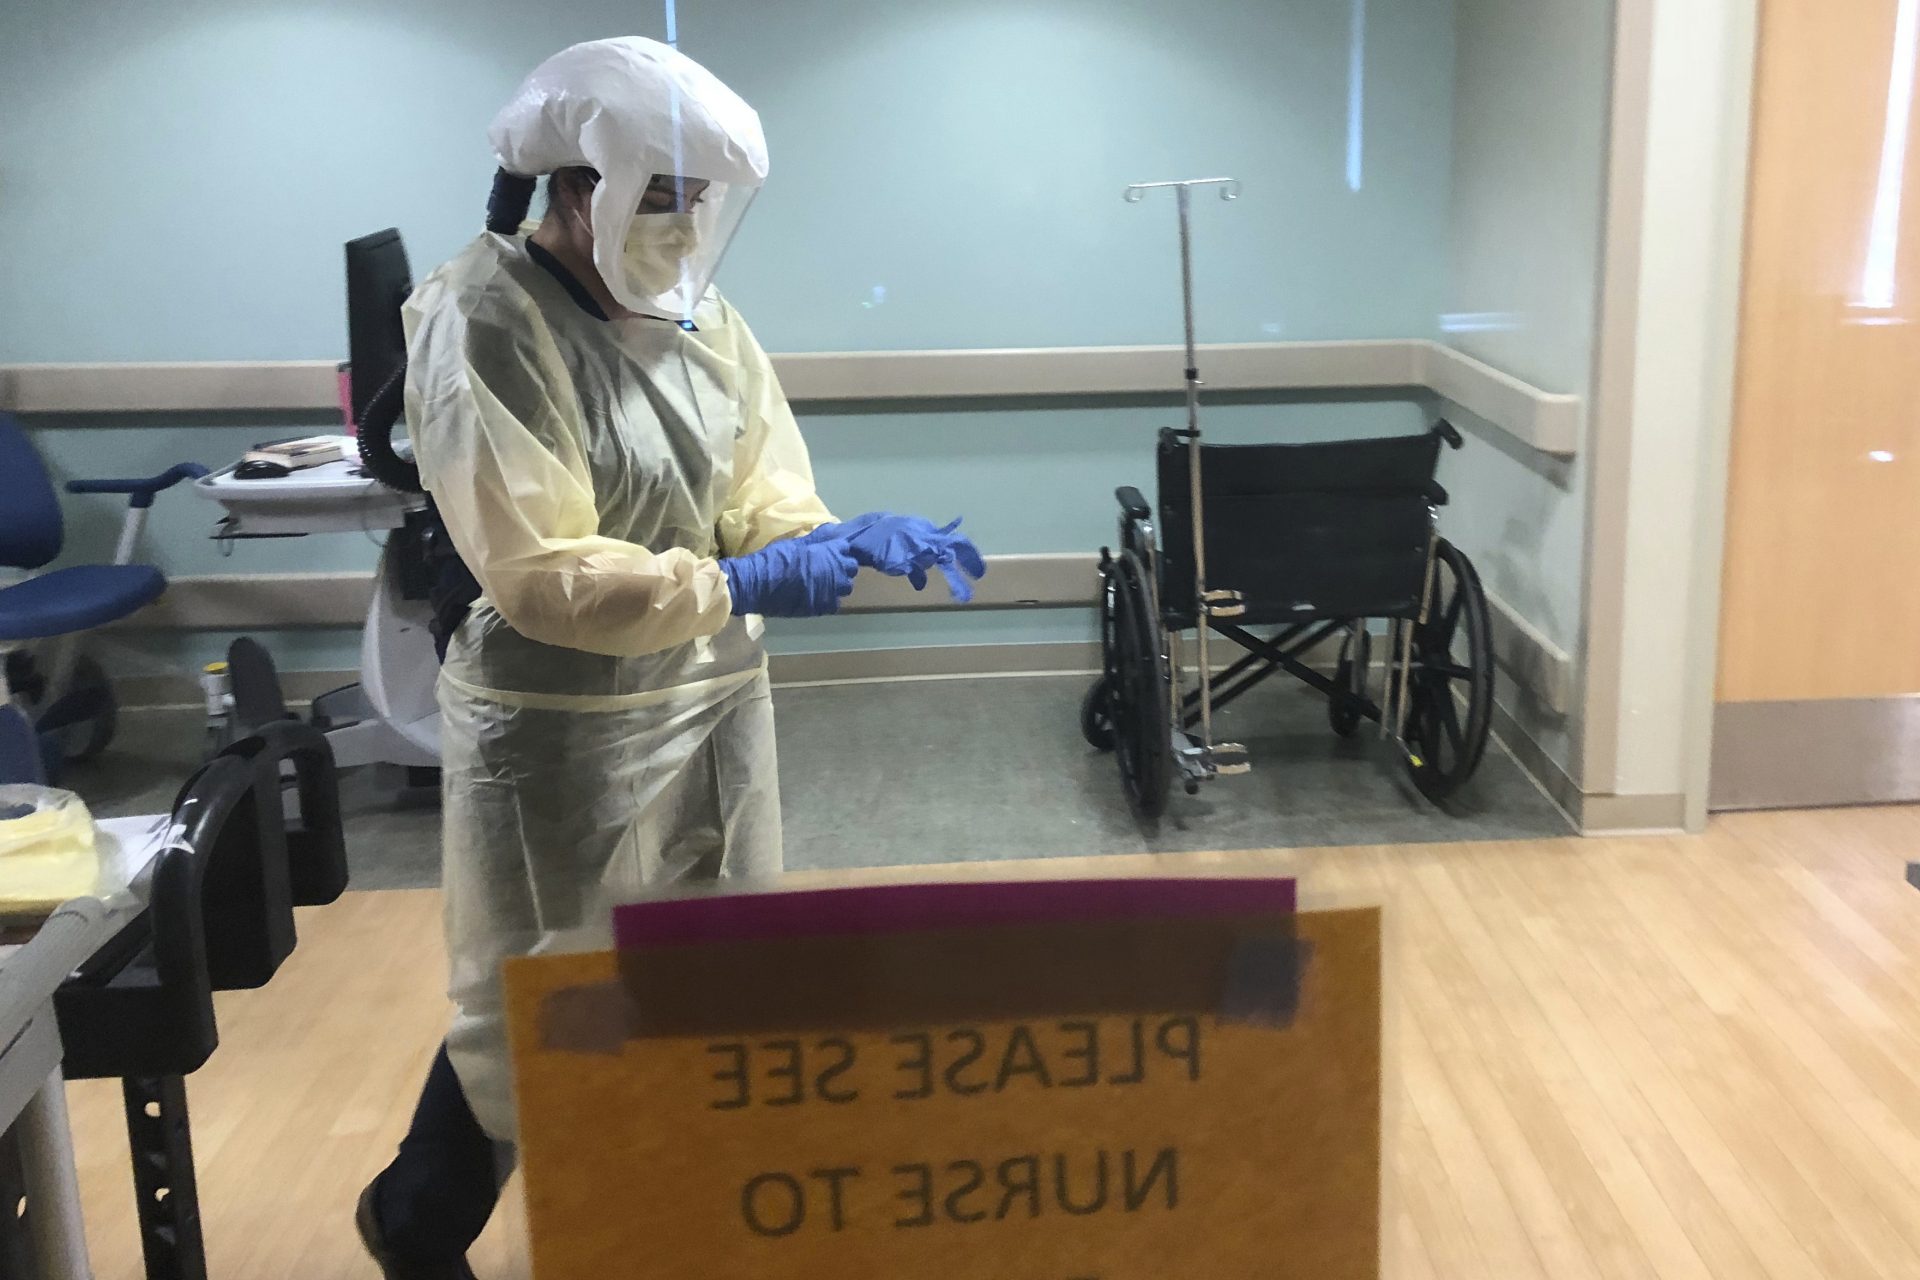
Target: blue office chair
(63,693)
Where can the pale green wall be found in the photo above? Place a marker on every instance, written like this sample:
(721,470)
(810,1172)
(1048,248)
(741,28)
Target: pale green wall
(188,171)
(1526,225)
(1026,479)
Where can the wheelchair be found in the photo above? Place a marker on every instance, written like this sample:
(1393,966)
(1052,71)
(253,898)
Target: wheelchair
(1308,543)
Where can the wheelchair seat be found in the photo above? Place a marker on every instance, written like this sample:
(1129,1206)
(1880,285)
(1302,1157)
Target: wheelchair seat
(79,598)
(1305,532)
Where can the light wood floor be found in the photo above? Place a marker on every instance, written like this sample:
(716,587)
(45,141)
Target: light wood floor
(1613,1058)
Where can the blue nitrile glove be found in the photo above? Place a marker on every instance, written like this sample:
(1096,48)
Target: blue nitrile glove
(958,561)
(907,546)
(794,578)
(844,529)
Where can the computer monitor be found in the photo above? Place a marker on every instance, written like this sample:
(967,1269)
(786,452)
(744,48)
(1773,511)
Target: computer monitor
(379,279)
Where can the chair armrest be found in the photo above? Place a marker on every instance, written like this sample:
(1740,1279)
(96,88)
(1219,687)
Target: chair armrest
(1132,504)
(141,491)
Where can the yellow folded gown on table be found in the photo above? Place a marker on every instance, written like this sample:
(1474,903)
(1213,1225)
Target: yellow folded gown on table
(47,852)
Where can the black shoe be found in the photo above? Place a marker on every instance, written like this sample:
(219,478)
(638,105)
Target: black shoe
(366,1216)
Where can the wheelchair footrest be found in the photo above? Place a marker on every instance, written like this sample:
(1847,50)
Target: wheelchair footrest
(1200,763)
(1230,760)
(1225,604)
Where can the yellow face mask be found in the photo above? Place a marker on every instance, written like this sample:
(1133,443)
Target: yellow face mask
(656,251)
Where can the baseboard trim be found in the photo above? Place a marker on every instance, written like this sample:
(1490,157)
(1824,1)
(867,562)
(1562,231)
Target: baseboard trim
(1526,654)
(153,692)
(1844,751)
(1607,815)
(1539,765)
(237,601)
(1592,815)
(1066,580)
(934,662)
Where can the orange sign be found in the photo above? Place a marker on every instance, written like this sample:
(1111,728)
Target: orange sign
(1120,1100)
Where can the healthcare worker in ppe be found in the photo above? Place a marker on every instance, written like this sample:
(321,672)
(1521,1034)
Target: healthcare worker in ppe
(617,467)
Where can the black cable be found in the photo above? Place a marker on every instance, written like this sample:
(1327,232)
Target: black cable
(507,208)
(377,453)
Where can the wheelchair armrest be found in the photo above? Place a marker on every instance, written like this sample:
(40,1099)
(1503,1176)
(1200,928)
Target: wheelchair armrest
(1449,433)
(1436,493)
(141,491)
(1133,505)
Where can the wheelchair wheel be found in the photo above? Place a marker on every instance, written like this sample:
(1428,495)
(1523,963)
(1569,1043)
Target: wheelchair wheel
(1452,663)
(1096,720)
(1096,709)
(1356,661)
(1140,704)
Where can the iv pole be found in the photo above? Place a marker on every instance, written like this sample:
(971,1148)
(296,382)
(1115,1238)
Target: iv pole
(1210,604)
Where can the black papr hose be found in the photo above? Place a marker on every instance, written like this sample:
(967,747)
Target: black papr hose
(507,208)
(377,453)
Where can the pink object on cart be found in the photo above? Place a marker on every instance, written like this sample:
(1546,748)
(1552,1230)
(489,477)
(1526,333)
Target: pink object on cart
(345,372)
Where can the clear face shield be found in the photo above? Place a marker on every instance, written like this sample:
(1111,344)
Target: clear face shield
(658,239)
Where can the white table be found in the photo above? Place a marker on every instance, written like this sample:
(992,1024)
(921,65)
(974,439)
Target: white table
(32,1092)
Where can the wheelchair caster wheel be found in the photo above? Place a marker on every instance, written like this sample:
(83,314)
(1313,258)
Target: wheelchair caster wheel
(1096,716)
(1341,717)
(1351,677)
(1193,787)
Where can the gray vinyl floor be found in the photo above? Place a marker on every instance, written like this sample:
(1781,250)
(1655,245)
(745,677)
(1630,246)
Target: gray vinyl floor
(955,771)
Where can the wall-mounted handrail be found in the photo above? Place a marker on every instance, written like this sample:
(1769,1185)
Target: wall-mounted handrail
(1545,421)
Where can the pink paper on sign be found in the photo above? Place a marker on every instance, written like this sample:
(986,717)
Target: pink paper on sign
(910,908)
